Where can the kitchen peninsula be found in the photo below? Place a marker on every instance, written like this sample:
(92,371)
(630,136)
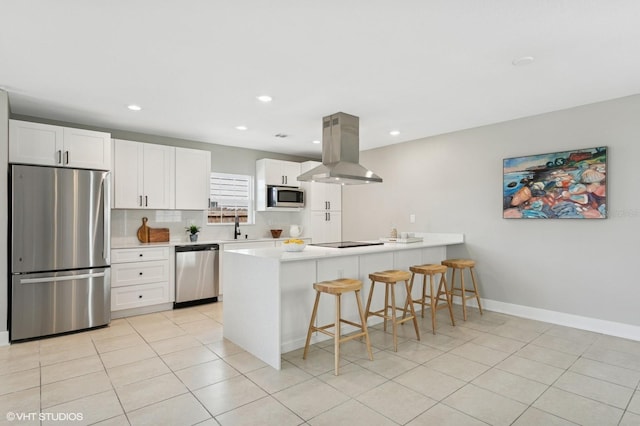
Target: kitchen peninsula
(269,294)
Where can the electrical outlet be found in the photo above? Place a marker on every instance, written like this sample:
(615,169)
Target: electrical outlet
(412,218)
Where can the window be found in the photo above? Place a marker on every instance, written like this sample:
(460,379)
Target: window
(231,195)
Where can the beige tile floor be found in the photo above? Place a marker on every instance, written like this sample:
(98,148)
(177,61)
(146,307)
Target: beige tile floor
(175,368)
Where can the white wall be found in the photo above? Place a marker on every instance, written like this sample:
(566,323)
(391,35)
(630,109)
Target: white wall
(453,183)
(4,213)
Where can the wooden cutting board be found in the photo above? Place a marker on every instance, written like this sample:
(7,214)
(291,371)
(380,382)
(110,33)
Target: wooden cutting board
(152,235)
(158,235)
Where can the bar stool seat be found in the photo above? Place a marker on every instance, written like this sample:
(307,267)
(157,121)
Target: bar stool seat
(390,278)
(431,271)
(337,288)
(461,265)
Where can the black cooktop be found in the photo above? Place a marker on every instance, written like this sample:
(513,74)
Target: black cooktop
(347,244)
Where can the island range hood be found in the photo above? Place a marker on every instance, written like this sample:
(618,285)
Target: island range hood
(340,153)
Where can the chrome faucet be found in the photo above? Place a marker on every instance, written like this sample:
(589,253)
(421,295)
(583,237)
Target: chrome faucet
(236,231)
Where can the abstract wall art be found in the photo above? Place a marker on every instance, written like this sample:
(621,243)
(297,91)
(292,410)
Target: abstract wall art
(559,185)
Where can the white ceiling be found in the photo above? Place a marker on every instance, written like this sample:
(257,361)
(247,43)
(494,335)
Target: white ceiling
(423,67)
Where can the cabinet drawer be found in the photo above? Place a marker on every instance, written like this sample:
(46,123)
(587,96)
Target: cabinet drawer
(139,295)
(139,254)
(125,274)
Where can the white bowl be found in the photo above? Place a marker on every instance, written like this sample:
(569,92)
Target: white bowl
(293,247)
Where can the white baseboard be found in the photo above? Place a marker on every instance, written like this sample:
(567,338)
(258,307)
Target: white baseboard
(4,338)
(617,329)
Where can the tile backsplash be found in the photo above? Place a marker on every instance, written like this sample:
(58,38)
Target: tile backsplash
(125,224)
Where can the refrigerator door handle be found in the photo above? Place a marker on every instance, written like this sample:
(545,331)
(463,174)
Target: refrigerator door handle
(106,193)
(59,156)
(62,278)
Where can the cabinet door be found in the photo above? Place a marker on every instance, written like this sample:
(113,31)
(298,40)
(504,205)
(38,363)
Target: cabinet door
(87,149)
(315,195)
(333,229)
(273,173)
(324,196)
(325,227)
(280,172)
(333,195)
(158,176)
(291,171)
(127,174)
(193,179)
(35,143)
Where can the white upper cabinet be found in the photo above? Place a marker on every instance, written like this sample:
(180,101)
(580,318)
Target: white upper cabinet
(144,175)
(277,172)
(271,172)
(48,145)
(193,176)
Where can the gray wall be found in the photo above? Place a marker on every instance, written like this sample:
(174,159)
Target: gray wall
(453,183)
(4,212)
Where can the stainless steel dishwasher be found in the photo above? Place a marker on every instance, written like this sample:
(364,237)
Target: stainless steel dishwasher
(196,274)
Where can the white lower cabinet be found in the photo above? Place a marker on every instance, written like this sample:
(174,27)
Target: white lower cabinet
(141,277)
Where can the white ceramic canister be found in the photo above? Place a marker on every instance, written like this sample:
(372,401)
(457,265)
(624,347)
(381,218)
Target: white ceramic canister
(295,230)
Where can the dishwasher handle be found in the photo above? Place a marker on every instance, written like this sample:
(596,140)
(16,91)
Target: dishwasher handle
(197,247)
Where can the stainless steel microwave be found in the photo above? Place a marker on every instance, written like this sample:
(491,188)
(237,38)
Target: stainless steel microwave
(280,196)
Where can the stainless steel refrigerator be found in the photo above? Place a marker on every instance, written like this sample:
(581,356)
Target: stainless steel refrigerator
(60,274)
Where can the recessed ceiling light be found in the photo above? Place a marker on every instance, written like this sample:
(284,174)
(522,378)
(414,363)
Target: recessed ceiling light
(264,98)
(394,132)
(133,107)
(316,142)
(520,62)
(241,127)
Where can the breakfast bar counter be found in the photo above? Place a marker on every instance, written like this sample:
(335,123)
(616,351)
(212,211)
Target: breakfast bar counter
(269,292)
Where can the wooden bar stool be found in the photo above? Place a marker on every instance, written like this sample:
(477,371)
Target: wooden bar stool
(390,278)
(431,271)
(461,265)
(337,288)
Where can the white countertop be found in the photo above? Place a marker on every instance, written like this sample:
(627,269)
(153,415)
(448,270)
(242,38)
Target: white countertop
(312,252)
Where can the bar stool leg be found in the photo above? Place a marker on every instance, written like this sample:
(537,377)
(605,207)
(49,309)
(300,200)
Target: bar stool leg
(313,319)
(443,287)
(363,322)
(393,314)
(464,297)
(434,302)
(475,288)
(366,311)
(336,336)
(424,292)
(413,312)
(386,305)
(410,298)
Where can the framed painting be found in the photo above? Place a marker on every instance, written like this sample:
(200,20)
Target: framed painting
(558,185)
